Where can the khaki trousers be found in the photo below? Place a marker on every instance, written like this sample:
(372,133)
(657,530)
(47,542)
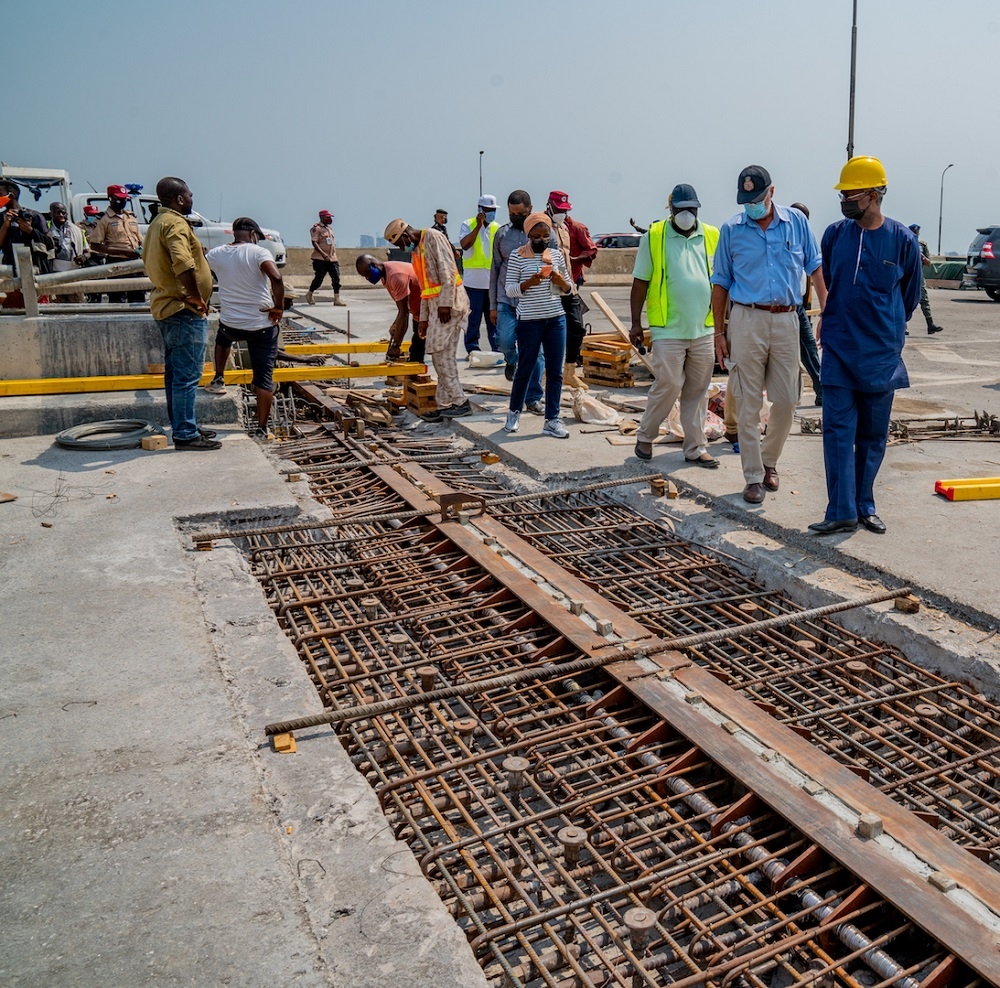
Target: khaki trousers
(764,356)
(442,342)
(682,368)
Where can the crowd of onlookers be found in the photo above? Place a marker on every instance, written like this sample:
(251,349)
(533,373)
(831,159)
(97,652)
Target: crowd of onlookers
(58,244)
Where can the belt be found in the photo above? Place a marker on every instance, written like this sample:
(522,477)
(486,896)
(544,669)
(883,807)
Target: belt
(767,308)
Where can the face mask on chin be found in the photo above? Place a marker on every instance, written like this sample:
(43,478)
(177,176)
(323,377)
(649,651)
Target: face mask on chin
(517,222)
(756,210)
(685,220)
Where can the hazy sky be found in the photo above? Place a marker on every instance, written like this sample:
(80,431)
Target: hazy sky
(380,109)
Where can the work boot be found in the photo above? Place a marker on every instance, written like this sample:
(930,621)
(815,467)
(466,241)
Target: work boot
(570,380)
(309,299)
(337,300)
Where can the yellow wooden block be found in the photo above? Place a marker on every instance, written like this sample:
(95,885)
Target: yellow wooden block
(284,743)
(154,442)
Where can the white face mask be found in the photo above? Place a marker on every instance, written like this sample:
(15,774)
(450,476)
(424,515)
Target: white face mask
(558,218)
(685,220)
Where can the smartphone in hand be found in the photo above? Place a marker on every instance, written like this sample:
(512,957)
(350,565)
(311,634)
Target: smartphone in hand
(545,270)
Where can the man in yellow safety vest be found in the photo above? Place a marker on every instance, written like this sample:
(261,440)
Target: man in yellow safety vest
(671,276)
(476,240)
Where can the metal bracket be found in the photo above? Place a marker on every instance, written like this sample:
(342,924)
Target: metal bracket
(451,504)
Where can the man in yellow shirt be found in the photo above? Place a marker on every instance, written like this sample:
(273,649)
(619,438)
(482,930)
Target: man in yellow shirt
(182,285)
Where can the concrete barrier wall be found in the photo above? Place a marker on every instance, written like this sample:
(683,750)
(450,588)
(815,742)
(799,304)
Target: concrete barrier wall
(79,345)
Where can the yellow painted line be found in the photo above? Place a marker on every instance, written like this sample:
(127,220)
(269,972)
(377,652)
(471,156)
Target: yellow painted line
(154,382)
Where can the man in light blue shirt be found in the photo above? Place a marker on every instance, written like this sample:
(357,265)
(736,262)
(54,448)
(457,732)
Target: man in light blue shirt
(756,287)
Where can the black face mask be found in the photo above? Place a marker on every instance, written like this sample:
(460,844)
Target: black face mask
(517,222)
(852,209)
(538,246)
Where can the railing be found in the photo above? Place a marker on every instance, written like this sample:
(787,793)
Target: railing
(95,279)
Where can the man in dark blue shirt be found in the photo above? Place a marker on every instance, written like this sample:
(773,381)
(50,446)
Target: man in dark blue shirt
(871,265)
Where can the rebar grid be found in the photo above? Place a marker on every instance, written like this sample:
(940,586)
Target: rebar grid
(931,744)
(576,838)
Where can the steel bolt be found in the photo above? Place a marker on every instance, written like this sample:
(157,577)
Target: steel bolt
(353,583)
(927,711)
(572,840)
(515,768)
(370,607)
(465,727)
(639,922)
(427,676)
(398,643)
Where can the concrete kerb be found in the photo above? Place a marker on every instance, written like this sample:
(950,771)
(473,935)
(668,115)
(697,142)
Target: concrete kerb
(368,905)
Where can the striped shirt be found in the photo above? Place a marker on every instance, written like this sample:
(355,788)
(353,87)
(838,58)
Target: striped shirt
(541,301)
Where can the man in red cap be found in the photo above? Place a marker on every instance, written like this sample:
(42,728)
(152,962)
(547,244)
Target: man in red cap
(116,237)
(558,207)
(324,257)
(583,250)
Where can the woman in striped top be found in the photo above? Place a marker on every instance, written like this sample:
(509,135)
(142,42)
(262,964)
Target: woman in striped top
(537,276)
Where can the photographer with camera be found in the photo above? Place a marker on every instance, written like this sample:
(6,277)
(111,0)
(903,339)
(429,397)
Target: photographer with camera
(21,225)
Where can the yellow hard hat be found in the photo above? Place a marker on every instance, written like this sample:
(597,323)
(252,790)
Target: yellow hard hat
(862,172)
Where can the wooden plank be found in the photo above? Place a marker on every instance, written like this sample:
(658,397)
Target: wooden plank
(304,348)
(619,328)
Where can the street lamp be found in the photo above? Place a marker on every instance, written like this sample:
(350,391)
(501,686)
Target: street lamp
(941,208)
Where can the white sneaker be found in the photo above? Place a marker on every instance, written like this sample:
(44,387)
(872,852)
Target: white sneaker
(217,386)
(513,422)
(555,428)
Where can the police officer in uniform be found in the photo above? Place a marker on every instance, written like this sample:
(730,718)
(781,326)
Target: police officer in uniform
(116,237)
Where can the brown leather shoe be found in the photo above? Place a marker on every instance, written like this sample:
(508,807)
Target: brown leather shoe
(753,493)
(771,478)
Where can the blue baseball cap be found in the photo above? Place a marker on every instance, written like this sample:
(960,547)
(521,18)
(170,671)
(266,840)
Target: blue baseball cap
(684,196)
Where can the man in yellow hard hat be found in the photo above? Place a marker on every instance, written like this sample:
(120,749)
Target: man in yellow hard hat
(871,265)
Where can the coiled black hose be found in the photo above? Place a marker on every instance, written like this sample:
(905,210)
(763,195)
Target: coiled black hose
(125,434)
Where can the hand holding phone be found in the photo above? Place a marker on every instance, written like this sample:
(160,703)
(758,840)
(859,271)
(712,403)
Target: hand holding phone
(545,270)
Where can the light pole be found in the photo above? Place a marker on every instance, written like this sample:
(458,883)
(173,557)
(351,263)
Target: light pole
(941,208)
(481,153)
(854,63)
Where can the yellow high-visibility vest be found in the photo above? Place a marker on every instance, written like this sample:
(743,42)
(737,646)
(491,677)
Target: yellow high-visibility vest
(428,289)
(656,293)
(475,256)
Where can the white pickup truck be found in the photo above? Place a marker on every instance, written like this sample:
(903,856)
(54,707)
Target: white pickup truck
(52,184)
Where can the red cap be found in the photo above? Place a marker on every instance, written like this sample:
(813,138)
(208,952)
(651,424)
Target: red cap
(325,214)
(559,202)
(117,192)
(89,210)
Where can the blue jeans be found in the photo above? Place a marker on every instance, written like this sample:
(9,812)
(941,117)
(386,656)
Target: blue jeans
(855,431)
(808,352)
(479,309)
(549,337)
(506,330)
(185,337)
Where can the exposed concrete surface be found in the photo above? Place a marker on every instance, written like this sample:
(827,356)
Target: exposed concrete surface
(147,836)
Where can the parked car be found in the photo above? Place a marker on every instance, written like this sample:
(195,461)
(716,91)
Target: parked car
(211,233)
(983,262)
(616,240)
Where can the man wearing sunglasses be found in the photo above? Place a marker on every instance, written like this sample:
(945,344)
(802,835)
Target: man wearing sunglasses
(871,264)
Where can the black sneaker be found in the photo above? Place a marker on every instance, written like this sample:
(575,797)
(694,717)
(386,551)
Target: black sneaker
(431,417)
(932,329)
(206,433)
(508,371)
(457,411)
(199,442)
